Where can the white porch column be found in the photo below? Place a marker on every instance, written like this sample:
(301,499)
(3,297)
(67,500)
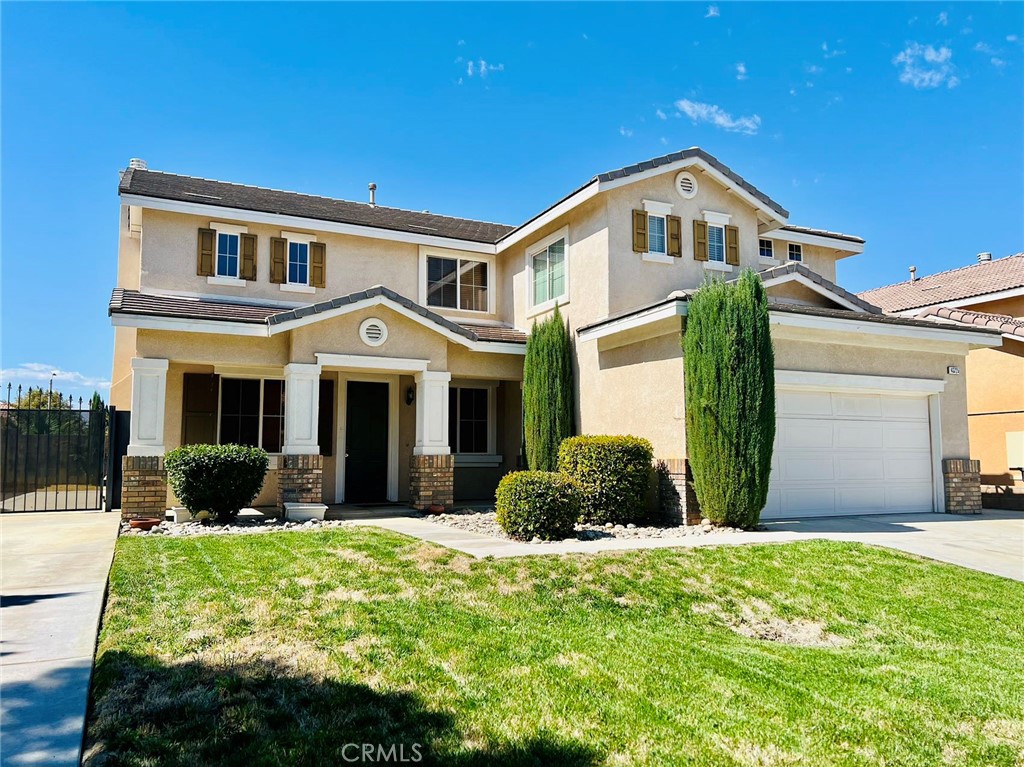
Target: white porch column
(432,413)
(149,393)
(301,408)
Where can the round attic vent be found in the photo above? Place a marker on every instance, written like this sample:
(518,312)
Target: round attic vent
(686,185)
(373,332)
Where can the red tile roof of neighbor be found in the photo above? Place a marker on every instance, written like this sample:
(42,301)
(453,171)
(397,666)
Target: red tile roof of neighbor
(1001,322)
(955,285)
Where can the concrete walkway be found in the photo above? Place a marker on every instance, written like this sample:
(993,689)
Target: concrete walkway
(52,583)
(992,542)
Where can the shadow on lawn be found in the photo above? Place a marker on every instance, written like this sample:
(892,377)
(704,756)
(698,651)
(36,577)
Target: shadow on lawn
(262,712)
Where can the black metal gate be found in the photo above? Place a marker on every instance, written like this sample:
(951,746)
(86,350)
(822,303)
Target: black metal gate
(51,453)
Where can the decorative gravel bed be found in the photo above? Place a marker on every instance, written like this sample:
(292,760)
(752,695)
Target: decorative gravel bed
(486,523)
(238,527)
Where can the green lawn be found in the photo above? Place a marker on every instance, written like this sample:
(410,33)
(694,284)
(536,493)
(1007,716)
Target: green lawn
(281,648)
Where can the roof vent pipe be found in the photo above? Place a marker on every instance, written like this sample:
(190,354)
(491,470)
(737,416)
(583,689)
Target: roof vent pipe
(913,274)
(983,257)
(373,195)
(137,164)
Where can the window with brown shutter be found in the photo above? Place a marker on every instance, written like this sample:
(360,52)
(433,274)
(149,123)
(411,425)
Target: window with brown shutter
(732,245)
(205,252)
(317,264)
(675,236)
(700,240)
(278,260)
(639,231)
(248,265)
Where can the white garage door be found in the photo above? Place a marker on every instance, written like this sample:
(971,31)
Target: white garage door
(842,453)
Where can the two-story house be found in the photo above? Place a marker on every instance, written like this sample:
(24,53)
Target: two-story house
(377,353)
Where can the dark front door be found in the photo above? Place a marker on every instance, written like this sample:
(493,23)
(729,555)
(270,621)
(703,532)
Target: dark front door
(366,438)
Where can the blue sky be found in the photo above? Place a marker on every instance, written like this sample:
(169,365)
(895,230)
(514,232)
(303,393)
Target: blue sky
(901,123)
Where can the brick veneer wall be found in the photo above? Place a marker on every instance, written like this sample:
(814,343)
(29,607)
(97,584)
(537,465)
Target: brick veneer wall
(676,498)
(143,486)
(962,481)
(300,479)
(432,481)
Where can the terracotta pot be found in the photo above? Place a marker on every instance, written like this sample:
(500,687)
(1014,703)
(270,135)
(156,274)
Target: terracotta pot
(436,509)
(144,524)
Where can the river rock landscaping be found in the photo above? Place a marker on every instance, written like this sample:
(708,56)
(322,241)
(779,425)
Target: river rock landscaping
(238,527)
(485,522)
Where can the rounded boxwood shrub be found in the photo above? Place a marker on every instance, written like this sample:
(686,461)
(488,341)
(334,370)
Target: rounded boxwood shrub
(538,504)
(613,474)
(220,479)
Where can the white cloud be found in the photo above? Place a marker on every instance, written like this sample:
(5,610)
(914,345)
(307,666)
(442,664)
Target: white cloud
(660,115)
(461,42)
(943,20)
(813,69)
(1012,38)
(664,141)
(715,115)
(585,37)
(997,62)
(985,48)
(624,131)
(831,53)
(741,71)
(471,69)
(924,66)
(482,68)
(39,373)
(712,12)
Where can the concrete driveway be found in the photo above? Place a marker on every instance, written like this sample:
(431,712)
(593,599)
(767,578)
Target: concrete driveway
(52,583)
(992,542)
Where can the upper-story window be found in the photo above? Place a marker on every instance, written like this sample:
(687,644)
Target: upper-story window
(227,254)
(716,243)
(796,251)
(656,234)
(766,248)
(547,269)
(457,283)
(298,263)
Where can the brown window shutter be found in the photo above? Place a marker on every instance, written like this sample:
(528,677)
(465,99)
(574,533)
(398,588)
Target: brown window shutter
(205,252)
(248,256)
(732,245)
(675,236)
(325,424)
(639,231)
(200,392)
(278,260)
(700,240)
(318,265)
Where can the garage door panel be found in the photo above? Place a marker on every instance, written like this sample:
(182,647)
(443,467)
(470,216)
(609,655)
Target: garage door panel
(798,466)
(909,468)
(790,402)
(860,467)
(857,436)
(909,497)
(797,433)
(861,499)
(906,436)
(905,408)
(808,501)
(857,405)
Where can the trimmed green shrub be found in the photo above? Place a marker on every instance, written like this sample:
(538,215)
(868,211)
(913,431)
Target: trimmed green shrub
(541,504)
(729,367)
(220,479)
(613,474)
(548,405)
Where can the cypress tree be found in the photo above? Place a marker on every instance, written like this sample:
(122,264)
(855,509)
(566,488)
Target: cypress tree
(729,368)
(548,399)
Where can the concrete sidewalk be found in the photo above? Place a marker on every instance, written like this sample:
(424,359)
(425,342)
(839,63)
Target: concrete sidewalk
(992,542)
(52,584)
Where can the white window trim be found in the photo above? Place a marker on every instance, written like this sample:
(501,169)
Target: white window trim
(798,245)
(717,266)
(712,263)
(459,255)
(770,260)
(531,251)
(661,210)
(219,227)
(252,376)
(299,237)
(490,457)
(295,287)
(228,282)
(718,219)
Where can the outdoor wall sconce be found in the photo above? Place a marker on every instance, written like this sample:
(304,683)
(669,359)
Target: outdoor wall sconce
(410,395)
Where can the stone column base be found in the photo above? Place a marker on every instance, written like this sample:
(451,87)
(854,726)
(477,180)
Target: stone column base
(432,481)
(143,486)
(961,478)
(300,479)
(676,498)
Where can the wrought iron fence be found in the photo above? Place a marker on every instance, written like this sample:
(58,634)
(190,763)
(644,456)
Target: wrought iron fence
(51,452)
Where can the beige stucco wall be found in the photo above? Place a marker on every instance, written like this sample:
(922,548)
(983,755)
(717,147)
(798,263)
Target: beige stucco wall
(1014,307)
(121,377)
(995,406)
(168,262)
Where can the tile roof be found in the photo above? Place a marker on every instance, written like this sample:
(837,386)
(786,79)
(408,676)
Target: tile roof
(822,233)
(1001,322)
(144,304)
(793,267)
(955,285)
(169,186)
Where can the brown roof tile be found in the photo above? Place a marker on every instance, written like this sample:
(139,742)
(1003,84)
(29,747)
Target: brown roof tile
(955,285)
(1001,322)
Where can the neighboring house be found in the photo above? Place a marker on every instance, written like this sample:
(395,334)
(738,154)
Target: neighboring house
(378,353)
(987,294)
